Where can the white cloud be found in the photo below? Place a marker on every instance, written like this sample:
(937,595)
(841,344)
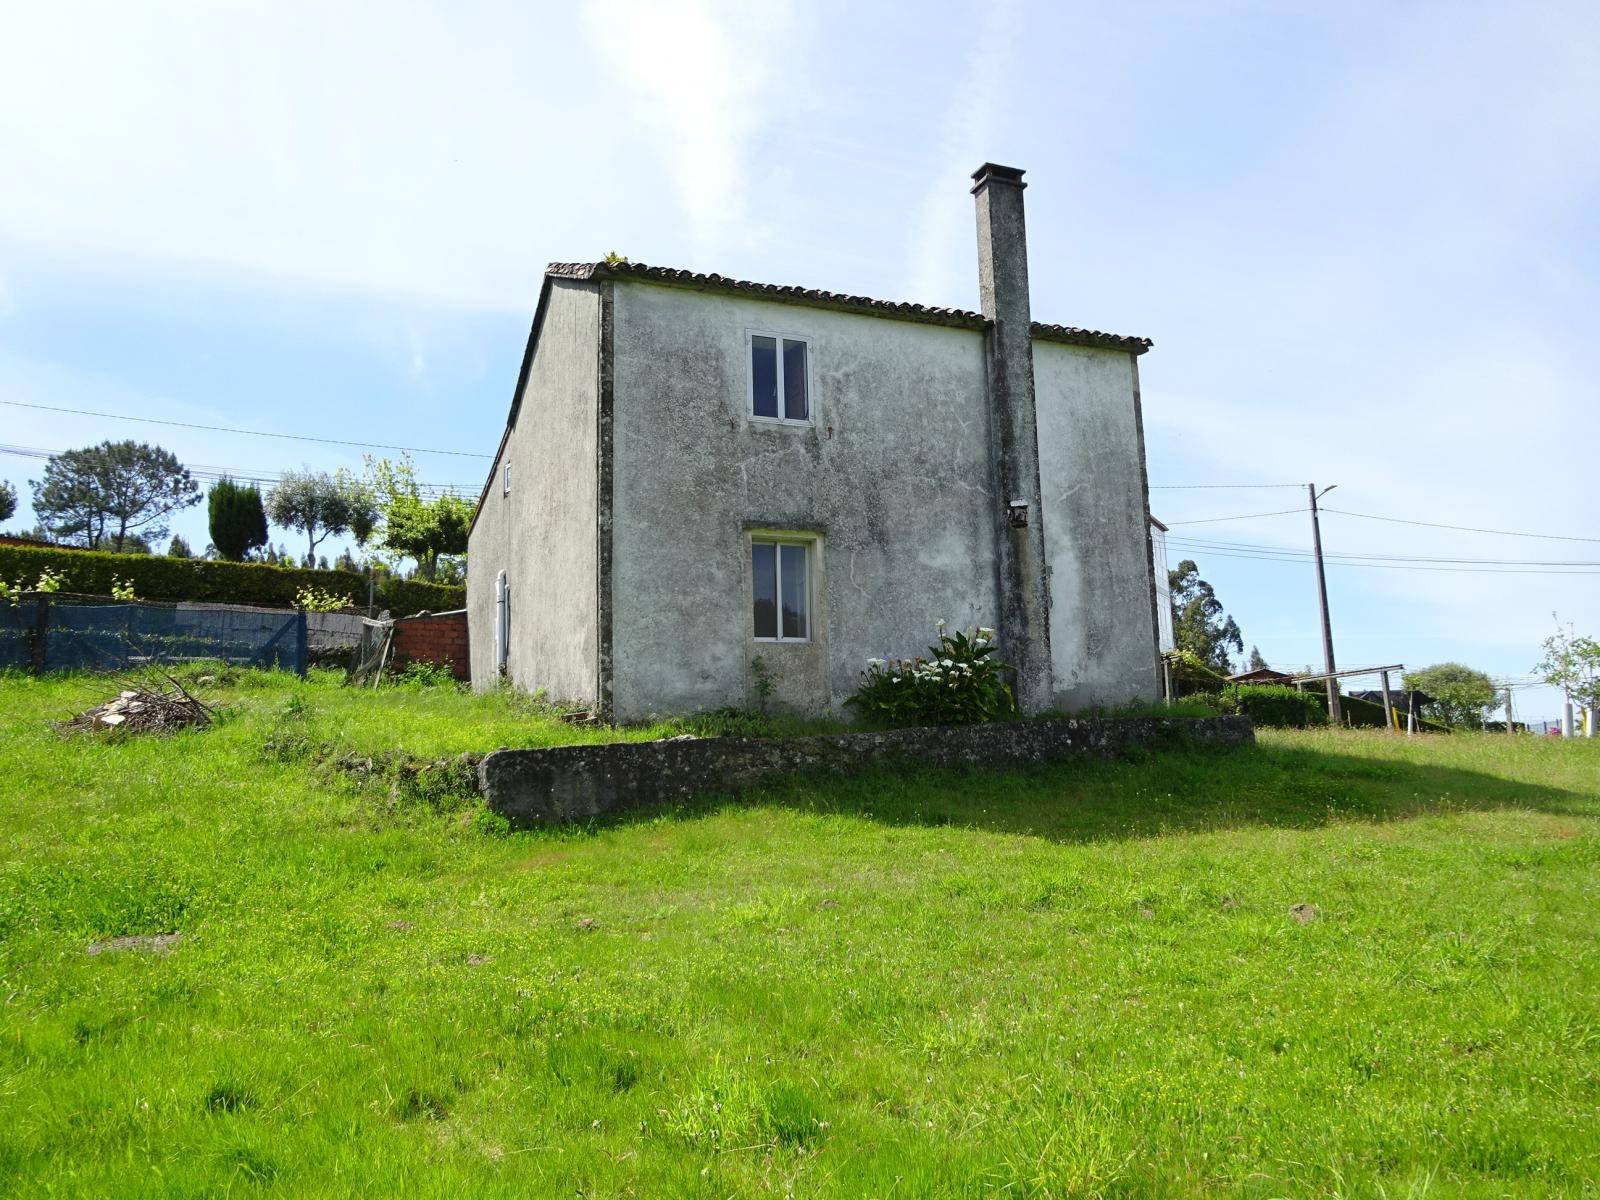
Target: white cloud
(423,151)
(942,236)
(700,75)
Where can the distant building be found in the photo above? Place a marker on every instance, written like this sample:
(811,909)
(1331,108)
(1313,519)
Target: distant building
(1158,554)
(1262,675)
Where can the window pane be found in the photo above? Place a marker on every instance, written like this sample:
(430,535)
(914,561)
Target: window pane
(764,587)
(795,593)
(764,375)
(796,404)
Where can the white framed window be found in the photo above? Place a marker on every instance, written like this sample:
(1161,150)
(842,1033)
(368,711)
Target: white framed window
(780,377)
(505,479)
(780,589)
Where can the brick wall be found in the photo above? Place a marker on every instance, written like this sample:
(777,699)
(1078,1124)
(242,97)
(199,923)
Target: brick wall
(433,638)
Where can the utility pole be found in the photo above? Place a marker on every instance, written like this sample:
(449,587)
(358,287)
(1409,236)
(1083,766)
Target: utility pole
(1511,724)
(1322,597)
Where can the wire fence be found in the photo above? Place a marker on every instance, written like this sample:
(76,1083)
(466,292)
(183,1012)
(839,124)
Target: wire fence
(43,632)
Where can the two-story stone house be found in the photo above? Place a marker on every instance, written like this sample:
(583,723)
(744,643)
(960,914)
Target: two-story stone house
(699,472)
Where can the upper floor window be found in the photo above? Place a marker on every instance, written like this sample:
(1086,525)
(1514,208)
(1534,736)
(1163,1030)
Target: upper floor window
(505,479)
(780,378)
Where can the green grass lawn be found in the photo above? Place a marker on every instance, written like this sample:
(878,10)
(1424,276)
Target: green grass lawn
(1077,981)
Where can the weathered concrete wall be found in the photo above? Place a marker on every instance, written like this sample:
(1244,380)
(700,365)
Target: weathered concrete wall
(574,783)
(544,533)
(893,477)
(1102,632)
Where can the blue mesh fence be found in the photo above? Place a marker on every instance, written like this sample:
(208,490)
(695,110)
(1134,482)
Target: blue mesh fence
(81,633)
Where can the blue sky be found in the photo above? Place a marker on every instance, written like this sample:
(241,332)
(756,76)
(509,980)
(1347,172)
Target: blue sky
(1363,237)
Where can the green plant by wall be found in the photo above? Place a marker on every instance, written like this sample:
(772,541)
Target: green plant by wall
(761,682)
(1190,674)
(93,572)
(320,600)
(960,682)
(48,581)
(1274,705)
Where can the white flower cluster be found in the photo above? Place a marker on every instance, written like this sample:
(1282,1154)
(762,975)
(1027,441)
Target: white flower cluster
(942,670)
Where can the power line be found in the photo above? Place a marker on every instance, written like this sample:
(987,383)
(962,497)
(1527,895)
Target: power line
(1555,537)
(1375,555)
(1196,487)
(1240,517)
(239,474)
(1301,561)
(293,437)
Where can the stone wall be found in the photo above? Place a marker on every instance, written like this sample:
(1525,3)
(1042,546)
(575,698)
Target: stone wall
(573,783)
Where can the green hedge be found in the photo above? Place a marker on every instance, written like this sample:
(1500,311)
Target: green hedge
(157,578)
(1275,705)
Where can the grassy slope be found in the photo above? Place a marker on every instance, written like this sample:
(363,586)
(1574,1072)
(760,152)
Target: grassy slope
(1075,981)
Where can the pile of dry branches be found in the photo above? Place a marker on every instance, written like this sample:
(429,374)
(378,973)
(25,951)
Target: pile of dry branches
(155,704)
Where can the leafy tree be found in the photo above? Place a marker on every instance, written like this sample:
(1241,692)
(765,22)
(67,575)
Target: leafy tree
(8,501)
(179,548)
(1198,620)
(1257,663)
(115,496)
(413,526)
(1573,665)
(238,519)
(1459,695)
(319,504)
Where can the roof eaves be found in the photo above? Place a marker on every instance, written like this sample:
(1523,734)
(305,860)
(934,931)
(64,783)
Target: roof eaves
(777,293)
(818,298)
(1073,336)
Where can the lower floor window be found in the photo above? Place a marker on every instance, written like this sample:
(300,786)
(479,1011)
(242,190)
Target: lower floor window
(781,590)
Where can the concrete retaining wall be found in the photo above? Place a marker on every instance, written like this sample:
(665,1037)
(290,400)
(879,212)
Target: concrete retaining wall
(573,783)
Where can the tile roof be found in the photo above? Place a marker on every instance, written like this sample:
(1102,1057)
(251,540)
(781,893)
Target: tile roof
(927,314)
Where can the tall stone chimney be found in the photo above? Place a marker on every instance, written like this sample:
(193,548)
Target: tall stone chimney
(1024,618)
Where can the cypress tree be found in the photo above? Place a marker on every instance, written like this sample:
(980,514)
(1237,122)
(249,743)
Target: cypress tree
(238,519)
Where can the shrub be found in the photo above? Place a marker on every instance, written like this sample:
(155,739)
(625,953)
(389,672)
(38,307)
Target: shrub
(92,572)
(1274,705)
(320,600)
(1190,674)
(960,682)
(48,581)
(417,675)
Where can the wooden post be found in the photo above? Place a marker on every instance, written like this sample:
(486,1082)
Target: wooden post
(1511,724)
(1388,705)
(38,643)
(301,658)
(1322,600)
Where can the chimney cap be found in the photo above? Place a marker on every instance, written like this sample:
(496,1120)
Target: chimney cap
(995,173)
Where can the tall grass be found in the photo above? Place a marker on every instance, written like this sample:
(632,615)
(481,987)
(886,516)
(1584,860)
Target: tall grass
(1076,981)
